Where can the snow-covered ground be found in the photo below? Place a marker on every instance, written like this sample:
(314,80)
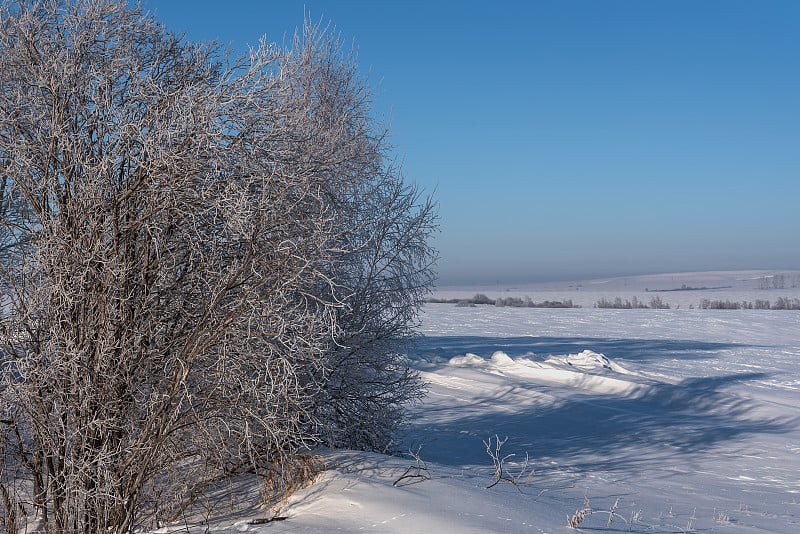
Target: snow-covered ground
(688,419)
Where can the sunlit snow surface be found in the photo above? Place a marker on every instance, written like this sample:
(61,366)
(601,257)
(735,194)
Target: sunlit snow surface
(671,410)
(690,417)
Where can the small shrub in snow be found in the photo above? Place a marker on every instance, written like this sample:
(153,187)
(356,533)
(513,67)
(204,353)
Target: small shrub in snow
(721,518)
(418,471)
(657,304)
(501,474)
(580,515)
(636,516)
(612,513)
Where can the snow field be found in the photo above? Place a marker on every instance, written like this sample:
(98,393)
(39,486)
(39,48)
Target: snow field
(689,417)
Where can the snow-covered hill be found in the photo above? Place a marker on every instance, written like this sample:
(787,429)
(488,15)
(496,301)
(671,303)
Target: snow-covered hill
(676,289)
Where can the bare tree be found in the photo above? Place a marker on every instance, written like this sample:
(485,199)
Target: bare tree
(193,249)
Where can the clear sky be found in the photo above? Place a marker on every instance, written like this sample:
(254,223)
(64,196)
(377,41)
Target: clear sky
(574,139)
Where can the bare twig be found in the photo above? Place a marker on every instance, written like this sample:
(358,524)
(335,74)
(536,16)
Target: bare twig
(418,471)
(612,513)
(581,514)
(501,474)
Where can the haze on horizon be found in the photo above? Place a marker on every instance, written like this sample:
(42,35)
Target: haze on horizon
(574,139)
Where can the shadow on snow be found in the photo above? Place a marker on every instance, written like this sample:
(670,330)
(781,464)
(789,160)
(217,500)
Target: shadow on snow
(662,427)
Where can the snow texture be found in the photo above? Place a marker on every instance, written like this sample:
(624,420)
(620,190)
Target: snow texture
(689,417)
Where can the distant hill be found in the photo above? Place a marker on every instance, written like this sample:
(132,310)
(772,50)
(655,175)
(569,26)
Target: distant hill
(677,289)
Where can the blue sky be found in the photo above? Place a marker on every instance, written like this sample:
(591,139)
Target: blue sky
(574,139)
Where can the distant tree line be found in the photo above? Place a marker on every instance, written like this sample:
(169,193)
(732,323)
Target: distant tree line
(782,303)
(512,302)
(633,304)
(526,302)
(617,303)
(759,304)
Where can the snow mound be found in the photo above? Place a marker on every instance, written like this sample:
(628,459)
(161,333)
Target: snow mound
(588,360)
(587,371)
(468,359)
(501,359)
(563,367)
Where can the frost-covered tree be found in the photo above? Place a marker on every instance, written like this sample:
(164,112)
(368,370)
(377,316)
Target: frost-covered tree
(386,272)
(190,246)
(384,266)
